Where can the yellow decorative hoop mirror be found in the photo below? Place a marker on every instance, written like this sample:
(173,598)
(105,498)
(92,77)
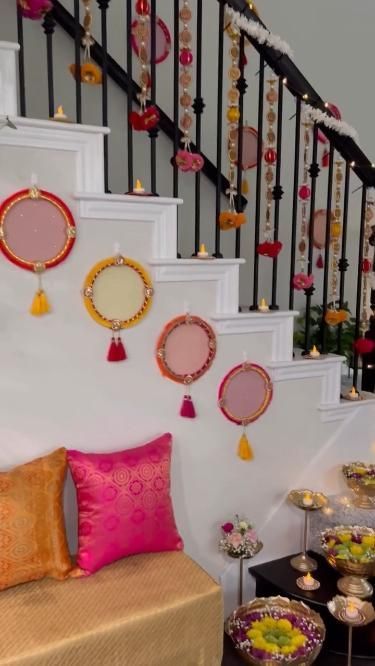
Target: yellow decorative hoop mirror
(117,293)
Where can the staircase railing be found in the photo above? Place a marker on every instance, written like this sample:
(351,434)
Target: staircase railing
(263,276)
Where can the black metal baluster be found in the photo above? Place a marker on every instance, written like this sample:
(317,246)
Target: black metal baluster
(297,144)
(242,87)
(153,133)
(358,309)
(77,61)
(327,248)
(219,128)
(343,263)
(176,77)
(49,28)
(198,107)
(129,97)
(314,172)
(103,6)
(277,191)
(258,201)
(21,62)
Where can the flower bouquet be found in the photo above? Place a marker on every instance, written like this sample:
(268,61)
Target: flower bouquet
(276,630)
(239,539)
(360,477)
(351,550)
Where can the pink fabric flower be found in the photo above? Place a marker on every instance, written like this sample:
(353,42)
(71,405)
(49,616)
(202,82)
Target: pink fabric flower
(235,539)
(227,527)
(302,281)
(34,9)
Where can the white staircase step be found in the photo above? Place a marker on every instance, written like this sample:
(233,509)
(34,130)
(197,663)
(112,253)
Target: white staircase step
(8,78)
(346,408)
(278,324)
(85,142)
(224,272)
(158,213)
(328,368)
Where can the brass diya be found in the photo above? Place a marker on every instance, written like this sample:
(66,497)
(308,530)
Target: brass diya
(278,607)
(354,613)
(360,477)
(354,574)
(307,500)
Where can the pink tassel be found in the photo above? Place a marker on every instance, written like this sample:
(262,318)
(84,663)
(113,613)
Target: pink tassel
(121,353)
(187,408)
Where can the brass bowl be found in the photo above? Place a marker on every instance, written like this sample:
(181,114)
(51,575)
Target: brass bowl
(319,500)
(365,492)
(270,606)
(354,582)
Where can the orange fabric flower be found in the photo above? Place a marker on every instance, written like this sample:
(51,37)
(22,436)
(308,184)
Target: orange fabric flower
(335,317)
(229,219)
(89,73)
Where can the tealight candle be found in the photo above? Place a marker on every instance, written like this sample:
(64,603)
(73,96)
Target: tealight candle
(263,307)
(202,254)
(314,352)
(60,115)
(353,394)
(308,580)
(351,611)
(138,189)
(307,499)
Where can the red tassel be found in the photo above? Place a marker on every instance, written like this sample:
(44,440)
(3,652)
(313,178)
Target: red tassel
(187,408)
(112,354)
(121,353)
(319,261)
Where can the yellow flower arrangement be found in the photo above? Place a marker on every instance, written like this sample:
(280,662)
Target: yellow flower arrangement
(278,637)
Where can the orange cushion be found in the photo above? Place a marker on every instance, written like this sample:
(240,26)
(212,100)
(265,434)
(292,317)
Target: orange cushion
(32,532)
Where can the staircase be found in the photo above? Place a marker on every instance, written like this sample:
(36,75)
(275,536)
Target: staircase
(55,387)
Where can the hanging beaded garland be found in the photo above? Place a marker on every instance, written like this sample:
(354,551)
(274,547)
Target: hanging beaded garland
(302,280)
(88,72)
(366,345)
(149,115)
(185,159)
(335,316)
(231,219)
(269,247)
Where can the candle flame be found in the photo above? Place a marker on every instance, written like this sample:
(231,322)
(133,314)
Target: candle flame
(314,349)
(60,110)
(202,248)
(351,606)
(263,302)
(309,576)
(138,184)
(353,391)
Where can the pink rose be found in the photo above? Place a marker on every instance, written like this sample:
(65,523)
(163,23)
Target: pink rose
(235,539)
(252,536)
(302,281)
(227,527)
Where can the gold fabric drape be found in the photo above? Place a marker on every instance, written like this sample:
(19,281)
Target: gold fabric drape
(149,610)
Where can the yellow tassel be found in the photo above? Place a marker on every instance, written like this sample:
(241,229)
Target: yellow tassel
(245,451)
(245,187)
(40,304)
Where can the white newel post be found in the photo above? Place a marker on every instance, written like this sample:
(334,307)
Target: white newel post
(8,78)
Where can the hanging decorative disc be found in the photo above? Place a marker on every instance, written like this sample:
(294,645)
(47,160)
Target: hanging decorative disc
(319,230)
(185,351)
(249,147)
(162,39)
(244,395)
(37,232)
(117,294)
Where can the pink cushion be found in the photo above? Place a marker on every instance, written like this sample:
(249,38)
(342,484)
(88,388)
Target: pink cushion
(124,503)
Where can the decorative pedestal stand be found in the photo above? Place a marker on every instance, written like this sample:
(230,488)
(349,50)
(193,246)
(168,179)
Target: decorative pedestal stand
(307,501)
(242,559)
(354,613)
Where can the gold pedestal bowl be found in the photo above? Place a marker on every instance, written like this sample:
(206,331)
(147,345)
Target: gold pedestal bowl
(360,477)
(344,555)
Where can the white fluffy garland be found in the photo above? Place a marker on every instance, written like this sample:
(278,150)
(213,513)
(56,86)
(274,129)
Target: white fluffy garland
(260,34)
(339,126)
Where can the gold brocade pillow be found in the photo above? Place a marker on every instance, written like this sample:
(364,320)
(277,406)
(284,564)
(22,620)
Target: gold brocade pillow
(32,531)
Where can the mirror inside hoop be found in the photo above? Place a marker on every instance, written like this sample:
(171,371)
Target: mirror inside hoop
(319,228)
(35,230)
(245,394)
(187,350)
(162,41)
(118,293)
(249,147)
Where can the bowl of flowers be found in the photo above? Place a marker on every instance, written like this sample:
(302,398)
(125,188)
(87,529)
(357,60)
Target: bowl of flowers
(360,477)
(239,539)
(276,630)
(351,550)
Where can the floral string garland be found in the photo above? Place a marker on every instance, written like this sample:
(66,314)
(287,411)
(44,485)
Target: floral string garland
(302,280)
(149,115)
(335,316)
(88,72)
(269,247)
(185,159)
(366,345)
